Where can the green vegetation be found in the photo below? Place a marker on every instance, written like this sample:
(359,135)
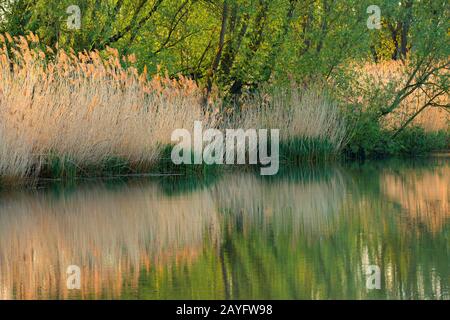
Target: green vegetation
(375,142)
(102,98)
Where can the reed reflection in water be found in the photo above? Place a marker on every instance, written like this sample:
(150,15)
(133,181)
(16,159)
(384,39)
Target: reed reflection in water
(110,234)
(307,234)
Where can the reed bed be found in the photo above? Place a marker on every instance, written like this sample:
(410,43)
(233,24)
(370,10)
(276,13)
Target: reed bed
(62,113)
(66,113)
(312,125)
(84,108)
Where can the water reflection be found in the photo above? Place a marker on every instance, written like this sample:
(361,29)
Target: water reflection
(111,234)
(421,193)
(306,234)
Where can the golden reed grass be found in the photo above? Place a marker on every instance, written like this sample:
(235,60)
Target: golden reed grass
(85,107)
(299,113)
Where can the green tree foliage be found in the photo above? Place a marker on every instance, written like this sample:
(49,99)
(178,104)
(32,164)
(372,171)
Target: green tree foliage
(241,45)
(253,28)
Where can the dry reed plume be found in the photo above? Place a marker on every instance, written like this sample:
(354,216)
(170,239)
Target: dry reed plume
(84,107)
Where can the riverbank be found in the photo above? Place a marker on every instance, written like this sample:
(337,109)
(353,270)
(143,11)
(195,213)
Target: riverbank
(66,115)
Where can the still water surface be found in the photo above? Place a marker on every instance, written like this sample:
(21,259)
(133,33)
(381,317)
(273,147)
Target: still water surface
(308,233)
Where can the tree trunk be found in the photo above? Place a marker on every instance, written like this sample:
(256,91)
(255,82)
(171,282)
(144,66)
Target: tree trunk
(218,56)
(405,29)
